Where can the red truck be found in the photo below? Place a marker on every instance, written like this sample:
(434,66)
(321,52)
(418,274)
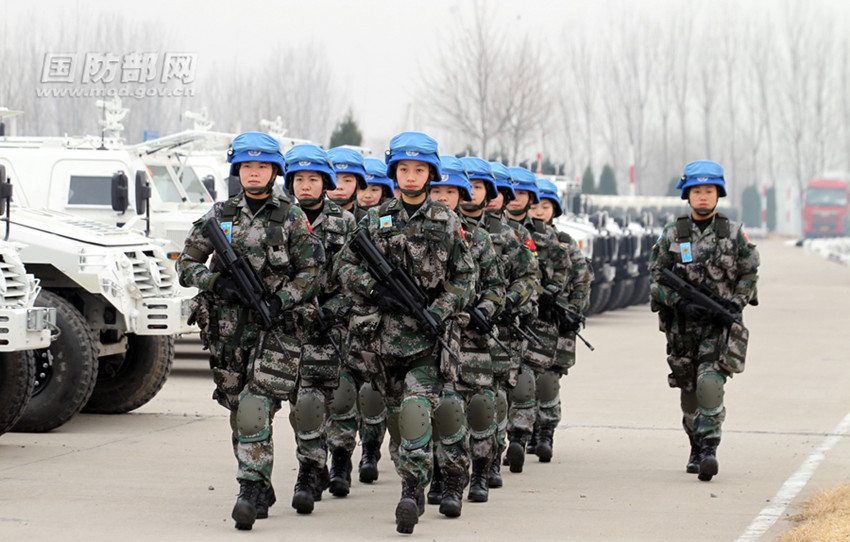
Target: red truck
(826,207)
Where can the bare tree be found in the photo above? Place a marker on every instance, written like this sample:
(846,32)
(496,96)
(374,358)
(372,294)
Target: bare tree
(466,91)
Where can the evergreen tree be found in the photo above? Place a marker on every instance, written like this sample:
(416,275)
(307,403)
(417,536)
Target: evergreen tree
(346,132)
(607,181)
(588,183)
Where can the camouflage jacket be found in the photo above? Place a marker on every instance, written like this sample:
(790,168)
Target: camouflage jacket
(519,265)
(428,245)
(334,227)
(579,277)
(489,291)
(277,241)
(720,257)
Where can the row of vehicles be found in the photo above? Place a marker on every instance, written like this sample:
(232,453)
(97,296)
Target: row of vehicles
(89,300)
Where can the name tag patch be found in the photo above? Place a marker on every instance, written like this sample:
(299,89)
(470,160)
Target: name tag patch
(687,256)
(226,228)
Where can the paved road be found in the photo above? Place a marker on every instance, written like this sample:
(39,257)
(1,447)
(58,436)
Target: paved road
(166,470)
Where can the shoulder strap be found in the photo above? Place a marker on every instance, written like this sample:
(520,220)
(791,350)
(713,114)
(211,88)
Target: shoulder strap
(278,214)
(494,224)
(539,225)
(230,209)
(683,227)
(721,226)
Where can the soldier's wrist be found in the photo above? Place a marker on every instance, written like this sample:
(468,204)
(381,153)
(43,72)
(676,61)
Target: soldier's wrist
(211,283)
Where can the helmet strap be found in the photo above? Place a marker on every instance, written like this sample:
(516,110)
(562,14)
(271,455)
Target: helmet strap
(705,212)
(310,202)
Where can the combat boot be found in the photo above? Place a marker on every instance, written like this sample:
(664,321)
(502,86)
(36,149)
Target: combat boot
(407,511)
(516,450)
(531,447)
(435,490)
(478,485)
(494,477)
(452,502)
(245,509)
(544,444)
(265,501)
(320,484)
(693,458)
(708,466)
(340,474)
(303,499)
(369,461)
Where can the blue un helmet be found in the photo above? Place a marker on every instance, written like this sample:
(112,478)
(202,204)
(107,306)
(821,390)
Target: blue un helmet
(254,147)
(525,180)
(454,174)
(549,191)
(413,146)
(504,183)
(479,169)
(376,173)
(702,172)
(307,157)
(345,160)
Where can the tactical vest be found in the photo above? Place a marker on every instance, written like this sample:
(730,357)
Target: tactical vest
(721,227)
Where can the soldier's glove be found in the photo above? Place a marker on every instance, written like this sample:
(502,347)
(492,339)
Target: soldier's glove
(385,300)
(275,306)
(546,305)
(692,311)
(325,320)
(506,317)
(441,326)
(479,319)
(226,290)
(570,321)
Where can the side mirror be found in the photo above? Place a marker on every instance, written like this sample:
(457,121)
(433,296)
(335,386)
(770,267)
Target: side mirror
(209,184)
(120,192)
(143,192)
(5,190)
(234,186)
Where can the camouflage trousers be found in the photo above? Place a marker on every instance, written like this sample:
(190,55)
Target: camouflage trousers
(422,384)
(344,428)
(255,460)
(694,358)
(523,414)
(483,444)
(549,412)
(311,445)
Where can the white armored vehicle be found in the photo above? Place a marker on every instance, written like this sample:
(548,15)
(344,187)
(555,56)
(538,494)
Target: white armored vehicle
(23,328)
(113,291)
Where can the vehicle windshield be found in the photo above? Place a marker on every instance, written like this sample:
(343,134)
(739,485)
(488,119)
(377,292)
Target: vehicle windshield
(164,186)
(193,187)
(828,197)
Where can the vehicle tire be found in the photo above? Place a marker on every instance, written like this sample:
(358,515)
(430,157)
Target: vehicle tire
(641,291)
(65,371)
(17,378)
(128,381)
(599,295)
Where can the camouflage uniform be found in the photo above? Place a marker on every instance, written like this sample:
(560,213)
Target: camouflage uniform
(702,353)
(576,295)
(320,364)
(413,370)
(279,244)
(553,263)
(520,269)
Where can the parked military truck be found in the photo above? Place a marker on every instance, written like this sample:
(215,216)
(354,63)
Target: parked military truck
(113,291)
(23,327)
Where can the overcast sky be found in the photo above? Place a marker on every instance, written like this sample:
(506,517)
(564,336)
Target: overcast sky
(378,48)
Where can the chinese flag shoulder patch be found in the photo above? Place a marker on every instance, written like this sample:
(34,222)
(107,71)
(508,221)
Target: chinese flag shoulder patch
(530,244)
(308,226)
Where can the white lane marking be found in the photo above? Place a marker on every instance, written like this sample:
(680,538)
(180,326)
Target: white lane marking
(792,486)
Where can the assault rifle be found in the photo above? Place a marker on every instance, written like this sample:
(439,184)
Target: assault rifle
(573,320)
(509,319)
(484,323)
(247,281)
(703,296)
(406,292)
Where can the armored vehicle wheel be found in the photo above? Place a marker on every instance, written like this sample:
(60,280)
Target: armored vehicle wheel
(600,293)
(65,371)
(17,378)
(127,381)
